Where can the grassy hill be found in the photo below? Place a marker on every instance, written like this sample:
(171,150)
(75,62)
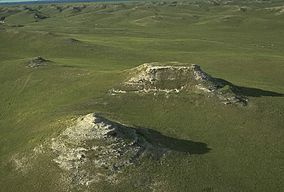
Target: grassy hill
(91,45)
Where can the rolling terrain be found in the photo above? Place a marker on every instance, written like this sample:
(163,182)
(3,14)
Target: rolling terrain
(60,62)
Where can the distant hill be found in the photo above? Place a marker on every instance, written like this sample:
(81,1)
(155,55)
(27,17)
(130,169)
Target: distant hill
(49,1)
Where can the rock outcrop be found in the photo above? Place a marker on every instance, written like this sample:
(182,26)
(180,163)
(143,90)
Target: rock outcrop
(177,78)
(38,62)
(96,149)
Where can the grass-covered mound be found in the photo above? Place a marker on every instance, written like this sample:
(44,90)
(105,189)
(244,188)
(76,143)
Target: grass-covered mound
(95,149)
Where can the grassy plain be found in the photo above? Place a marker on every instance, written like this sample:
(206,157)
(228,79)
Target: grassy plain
(90,50)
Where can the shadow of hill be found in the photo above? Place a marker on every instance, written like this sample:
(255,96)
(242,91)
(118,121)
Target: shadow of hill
(155,138)
(254,92)
(248,91)
(174,144)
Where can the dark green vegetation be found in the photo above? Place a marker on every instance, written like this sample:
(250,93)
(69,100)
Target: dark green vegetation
(89,47)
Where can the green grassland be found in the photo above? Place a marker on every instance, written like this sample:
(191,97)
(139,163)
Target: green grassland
(91,48)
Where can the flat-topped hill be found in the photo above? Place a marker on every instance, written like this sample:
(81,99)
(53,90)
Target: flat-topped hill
(174,77)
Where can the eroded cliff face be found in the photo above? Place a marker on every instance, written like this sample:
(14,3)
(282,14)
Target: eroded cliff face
(176,78)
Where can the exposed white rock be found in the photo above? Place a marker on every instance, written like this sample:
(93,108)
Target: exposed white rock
(118,91)
(147,78)
(96,149)
(150,72)
(200,87)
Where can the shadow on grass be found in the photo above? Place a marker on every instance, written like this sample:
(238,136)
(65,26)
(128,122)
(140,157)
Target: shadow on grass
(248,91)
(254,92)
(174,144)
